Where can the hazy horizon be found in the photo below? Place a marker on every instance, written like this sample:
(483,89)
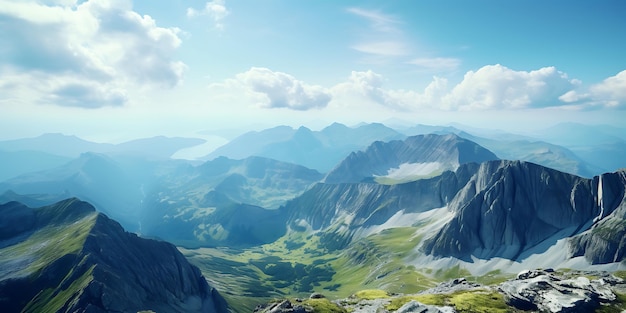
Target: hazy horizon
(117,70)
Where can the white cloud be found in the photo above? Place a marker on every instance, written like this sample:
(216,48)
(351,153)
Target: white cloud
(611,92)
(102,44)
(498,87)
(216,10)
(382,48)
(383,38)
(437,64)
(368,85)
(279,90)
(490,87)
(378,21)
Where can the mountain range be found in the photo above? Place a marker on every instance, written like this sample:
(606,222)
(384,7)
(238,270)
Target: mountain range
(292,211)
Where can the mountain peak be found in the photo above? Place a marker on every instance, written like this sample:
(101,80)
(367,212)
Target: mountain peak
(416,157)
(88,261)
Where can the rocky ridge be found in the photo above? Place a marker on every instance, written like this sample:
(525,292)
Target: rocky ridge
(426,155)
(68,258)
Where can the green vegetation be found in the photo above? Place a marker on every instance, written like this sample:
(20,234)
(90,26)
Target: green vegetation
(463,301)
(371,294)
(479,302)
(451,273)
(323,306)
(492,278)
(620,274)
(618,306)
(54,299)
(48,244)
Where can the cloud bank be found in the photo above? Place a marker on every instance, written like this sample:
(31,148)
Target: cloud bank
(492,87)
(85,55)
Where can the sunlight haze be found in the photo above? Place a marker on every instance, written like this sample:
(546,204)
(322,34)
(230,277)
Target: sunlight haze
(114,70)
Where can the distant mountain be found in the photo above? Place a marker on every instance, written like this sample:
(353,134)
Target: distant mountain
(225,202)
(96,178)
(72,146)
(115,185)
(68,258)
(56,144)
(400,161)
(602,146)
(320,150)
(539,152)
(251,142)
(156,147)
(576,134)
(524,148)
(15,163)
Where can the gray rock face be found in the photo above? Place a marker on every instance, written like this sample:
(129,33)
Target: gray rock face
(605,242)
(416,307)
(510,207)
(449,150)
(281,307)
(546,292)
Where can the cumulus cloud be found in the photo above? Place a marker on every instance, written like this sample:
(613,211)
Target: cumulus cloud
(490,87)
(216,10)
(611,92)
(103,44)
(79,94)
(496,86)
(281,90)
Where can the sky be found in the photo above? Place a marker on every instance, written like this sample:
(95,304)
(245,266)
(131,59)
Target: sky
(115,70)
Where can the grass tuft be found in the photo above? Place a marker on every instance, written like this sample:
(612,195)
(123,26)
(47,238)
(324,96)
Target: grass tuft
(371,294)
(323,306)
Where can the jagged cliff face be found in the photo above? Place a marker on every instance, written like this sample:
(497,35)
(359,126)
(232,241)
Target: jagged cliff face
(68,258)
(505,209)
(605,242)
(415,157)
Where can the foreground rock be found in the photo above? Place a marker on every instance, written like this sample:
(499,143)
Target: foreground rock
(68,258)
(549,292)
(536,291)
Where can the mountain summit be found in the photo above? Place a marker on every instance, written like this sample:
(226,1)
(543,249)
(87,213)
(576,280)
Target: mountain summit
(68,258)
(415,157)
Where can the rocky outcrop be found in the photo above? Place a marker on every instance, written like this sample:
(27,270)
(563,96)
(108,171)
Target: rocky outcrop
(448,151)
(531,290)
(73,259)
(547,291)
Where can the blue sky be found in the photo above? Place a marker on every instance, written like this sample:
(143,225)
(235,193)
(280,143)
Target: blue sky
(112,70)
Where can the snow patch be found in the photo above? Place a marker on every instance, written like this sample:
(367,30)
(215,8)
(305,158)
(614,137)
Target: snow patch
(432,220)
(554,256)
(411,170)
